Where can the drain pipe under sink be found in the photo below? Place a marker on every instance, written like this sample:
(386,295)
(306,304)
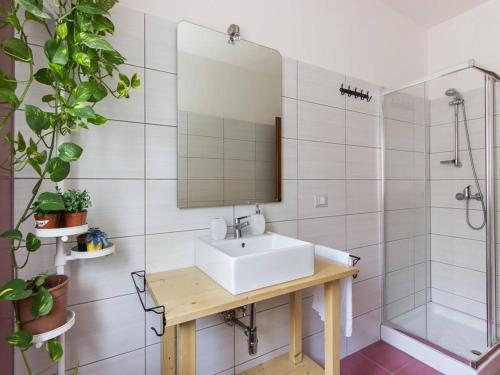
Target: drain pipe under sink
(250,330)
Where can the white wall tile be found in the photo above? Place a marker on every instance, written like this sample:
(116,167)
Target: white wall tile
(162,214)
(366,331)
(399,284)
(399,254)
(117,205)
(161,98)
(161,44)
(239,169)
(443,192)
(289,128)
(207,126)
(319,160)
(367,296)
(102,329)
(236,129)
(320,86)
(399,224)
(398,165)
(394,309)
(321,123)
(153,359)
(451,222)
(399,194)
(448,171)
(363,196)
(286,228)
(289,77)
(112,150)
(362,163)
(442,137)
(131,363)
(289,158)
(170,251)
(371,262)
(205,147)
(210,359)
(398,135)
(128,37)
(239,150)
(327,231)
(363,229)
(460,252)
(161,147)
(334,189)
(459,303)
(362,129)
(460,281)
(205,169)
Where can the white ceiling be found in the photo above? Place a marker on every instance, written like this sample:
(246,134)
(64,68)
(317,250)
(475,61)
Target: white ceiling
(432,12)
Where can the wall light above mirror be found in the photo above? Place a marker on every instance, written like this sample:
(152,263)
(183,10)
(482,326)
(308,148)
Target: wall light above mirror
(229,119)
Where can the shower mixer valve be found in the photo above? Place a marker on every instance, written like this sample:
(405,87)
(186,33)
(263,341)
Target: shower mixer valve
(467,195)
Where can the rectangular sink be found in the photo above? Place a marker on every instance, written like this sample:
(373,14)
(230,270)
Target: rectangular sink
(254,262)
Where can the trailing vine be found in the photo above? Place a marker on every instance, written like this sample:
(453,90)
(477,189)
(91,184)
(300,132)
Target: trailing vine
(82,69)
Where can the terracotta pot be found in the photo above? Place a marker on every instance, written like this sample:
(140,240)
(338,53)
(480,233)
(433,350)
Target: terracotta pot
(74,219)
(47,221)
(57,285)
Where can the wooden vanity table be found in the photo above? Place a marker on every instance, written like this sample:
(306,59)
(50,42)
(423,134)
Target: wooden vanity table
(189,294)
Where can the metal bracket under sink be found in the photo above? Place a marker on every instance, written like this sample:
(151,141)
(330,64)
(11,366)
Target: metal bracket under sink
(160,310)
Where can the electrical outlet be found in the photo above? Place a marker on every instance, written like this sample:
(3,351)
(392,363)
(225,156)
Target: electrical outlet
(320,200)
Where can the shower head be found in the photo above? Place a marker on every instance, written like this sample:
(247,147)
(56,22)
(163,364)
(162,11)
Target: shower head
(454,93)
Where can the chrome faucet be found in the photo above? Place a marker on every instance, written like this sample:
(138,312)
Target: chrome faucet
(238,225)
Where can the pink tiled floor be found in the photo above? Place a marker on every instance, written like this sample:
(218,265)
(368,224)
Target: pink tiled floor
(382,359)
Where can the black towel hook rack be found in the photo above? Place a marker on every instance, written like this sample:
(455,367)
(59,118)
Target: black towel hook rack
(160,310)
(357,94)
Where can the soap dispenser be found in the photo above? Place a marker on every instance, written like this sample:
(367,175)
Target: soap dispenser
(258,222)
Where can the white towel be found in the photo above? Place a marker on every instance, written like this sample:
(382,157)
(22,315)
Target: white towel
(345,290)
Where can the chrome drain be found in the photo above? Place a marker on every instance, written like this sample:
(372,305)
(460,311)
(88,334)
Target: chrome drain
(476,352)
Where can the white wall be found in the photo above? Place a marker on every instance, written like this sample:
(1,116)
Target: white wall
(473,34)
(365,39)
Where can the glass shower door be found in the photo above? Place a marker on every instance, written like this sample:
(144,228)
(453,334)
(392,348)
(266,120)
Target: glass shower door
(435,237)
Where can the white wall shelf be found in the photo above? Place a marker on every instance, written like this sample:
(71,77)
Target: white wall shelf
(39,339)
(75,254)
(61,232)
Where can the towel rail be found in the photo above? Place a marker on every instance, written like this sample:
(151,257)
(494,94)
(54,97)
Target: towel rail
(355,260)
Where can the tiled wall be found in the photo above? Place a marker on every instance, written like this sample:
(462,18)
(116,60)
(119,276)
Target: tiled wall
(330,146)
(406,235)
(458,252)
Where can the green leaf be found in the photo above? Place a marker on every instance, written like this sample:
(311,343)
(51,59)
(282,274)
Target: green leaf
(99,92)
(61,55)
(36,166)
(42,302)
(106,4)
(14,290)
(103,24)
(21,339)
(9,96)
(12,234)
(82,111)
(124,79)
(96,42)
(50,202)
(60,73)
(114,57)
(135,81)
(40,280)
(62,30)
(14,20)
(83,92)
(32,242)
(8,82)
(37,119)
(97,120)
(44,76)
(55,349)
(69,151)
(32,7)
(82,58)
(17,49)
(48,98)
(58,169)
(91,9)
(21,143)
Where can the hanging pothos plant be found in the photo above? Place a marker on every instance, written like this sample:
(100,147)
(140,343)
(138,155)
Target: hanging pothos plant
(81,64)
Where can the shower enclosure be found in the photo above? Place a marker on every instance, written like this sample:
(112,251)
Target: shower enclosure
(439,212)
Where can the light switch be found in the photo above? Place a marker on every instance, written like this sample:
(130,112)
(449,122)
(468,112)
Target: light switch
(320,200)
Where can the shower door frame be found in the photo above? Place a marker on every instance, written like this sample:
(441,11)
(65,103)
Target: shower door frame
(490,78)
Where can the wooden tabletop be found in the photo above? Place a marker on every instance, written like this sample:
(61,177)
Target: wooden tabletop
(190,294)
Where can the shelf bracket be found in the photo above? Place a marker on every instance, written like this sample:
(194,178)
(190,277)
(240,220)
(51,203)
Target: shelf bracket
(160,310)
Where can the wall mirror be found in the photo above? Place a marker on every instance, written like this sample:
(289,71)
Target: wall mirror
(229,120)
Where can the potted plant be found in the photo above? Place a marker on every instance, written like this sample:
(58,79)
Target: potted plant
(76,203)
(44,302)
(96,240)
(46,218)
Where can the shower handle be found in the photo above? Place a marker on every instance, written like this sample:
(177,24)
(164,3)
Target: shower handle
(467,195)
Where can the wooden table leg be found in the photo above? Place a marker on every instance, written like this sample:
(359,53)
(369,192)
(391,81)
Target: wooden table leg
(187,348)
(169,357)
(332,328)
(295,353)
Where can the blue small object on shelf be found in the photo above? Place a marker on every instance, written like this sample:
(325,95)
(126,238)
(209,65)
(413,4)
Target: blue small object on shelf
(96,240)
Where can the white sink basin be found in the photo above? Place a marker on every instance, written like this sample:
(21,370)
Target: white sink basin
(253,262)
